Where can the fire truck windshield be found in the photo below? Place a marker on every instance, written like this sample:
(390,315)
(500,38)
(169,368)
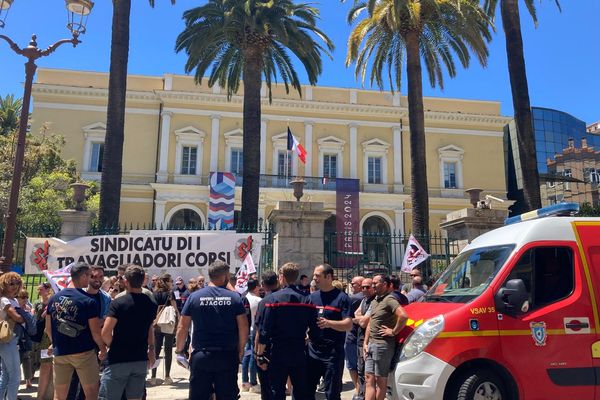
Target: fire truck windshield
(468,275)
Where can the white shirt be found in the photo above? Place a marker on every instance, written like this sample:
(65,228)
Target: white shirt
(253,300)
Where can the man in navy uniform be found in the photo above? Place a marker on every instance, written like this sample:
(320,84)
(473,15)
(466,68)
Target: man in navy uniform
(288,316)
(326,347)
(271,284)
(220,334)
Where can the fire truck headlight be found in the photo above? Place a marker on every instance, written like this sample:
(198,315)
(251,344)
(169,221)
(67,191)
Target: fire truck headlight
(422,336)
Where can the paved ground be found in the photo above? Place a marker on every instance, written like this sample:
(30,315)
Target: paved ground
(179,389)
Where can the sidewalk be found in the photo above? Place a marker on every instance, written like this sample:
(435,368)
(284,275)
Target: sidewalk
(179,389)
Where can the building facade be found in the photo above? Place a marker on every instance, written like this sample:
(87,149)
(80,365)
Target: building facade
(177,132)
(564,152)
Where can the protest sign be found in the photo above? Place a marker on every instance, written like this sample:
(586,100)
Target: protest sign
(179,253)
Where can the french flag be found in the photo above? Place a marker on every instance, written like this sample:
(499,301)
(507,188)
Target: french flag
(294,144)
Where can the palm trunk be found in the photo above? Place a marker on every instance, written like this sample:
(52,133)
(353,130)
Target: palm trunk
(112,162)
(252,112)
(520,94)
(416,116)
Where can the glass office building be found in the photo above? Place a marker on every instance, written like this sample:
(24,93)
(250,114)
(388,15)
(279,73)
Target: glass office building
(568,159)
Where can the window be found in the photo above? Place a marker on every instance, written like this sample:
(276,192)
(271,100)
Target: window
(282,170)
(450,175)
(237,161)
(330,166)
(374,170)
(594,175)
(189,160)
(567,173)
(188,155)
(548,275)
(96,157)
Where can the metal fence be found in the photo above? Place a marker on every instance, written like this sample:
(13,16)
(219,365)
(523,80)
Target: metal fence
(383,253)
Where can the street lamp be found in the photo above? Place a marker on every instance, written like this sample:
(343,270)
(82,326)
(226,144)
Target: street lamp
(78,11)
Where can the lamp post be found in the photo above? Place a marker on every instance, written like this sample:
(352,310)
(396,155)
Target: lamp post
(78,11)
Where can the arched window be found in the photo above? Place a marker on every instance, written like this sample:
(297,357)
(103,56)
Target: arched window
(185,219)
(377,240)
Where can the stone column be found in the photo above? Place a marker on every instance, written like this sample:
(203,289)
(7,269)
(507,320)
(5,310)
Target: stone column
(299,234)
(162,175)
(398,179)
(159,213)
(75,224)
(464,225)
(308,138)
(263,145)
(214,142)
(353,151)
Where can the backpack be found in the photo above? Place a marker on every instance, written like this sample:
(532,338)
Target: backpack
(167,319)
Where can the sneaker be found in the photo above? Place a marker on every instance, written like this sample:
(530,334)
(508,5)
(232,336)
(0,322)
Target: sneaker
(153,381)
(246,387)
(168,380)
(255,389)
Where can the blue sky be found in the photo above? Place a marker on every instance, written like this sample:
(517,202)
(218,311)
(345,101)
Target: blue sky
(562,60)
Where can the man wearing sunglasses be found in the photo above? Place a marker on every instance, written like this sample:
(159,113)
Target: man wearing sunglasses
(415,290)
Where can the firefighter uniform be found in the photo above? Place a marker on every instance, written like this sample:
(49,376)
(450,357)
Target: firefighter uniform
(287,317)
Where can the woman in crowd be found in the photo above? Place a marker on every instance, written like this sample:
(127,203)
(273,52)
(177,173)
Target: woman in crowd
(10,375)
(25,343)
(163,293)
(43,363)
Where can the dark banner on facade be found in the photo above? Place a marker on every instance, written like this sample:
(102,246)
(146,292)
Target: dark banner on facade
(347,221)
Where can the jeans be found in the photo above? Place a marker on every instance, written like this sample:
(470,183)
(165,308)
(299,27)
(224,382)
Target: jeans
(10,376)
(128,377)
(249,363)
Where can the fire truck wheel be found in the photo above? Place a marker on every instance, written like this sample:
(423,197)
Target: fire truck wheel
(481,385)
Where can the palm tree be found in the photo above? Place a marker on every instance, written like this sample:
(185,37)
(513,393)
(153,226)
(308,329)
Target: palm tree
(511,22)
(10,112)
(246,40)
(399,32)
(112,161)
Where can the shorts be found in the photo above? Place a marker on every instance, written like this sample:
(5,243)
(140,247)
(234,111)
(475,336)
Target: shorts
(86,365)
(128,377)
(379,359)
(351,349)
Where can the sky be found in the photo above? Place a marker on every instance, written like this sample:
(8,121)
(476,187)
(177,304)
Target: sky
(561,57)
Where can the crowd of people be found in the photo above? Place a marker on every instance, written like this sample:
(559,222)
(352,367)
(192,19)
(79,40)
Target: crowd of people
(99,337)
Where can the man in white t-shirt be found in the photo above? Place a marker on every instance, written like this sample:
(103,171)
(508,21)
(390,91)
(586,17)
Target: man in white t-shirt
(249,382)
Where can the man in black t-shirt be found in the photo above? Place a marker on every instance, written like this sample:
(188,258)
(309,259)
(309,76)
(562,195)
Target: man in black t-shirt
(326,347)
(128,333)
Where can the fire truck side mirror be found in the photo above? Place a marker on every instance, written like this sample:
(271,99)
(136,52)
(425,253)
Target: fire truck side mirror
(511,298)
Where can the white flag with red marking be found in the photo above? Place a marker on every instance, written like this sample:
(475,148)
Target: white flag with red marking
(59,279)
(414,255)
(247,268)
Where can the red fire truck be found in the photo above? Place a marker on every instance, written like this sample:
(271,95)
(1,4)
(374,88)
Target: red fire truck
(515,316)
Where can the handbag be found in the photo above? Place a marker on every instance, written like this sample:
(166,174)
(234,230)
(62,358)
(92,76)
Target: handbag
(7,329)
(166,318)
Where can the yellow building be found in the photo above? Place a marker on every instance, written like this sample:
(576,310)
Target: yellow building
(177,132)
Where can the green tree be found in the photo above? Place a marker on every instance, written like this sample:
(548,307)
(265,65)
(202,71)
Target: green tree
(45,182)
(395,33)
(10,112)
(511,22)
(246,40)
(112,162)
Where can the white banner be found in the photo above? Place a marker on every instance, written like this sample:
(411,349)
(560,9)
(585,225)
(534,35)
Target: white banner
(414,255)
(179,253)
(243,274)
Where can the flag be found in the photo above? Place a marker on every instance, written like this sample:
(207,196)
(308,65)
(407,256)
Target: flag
(247,268)
(414,255)
(294,144)
(59,279)
(325,180)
